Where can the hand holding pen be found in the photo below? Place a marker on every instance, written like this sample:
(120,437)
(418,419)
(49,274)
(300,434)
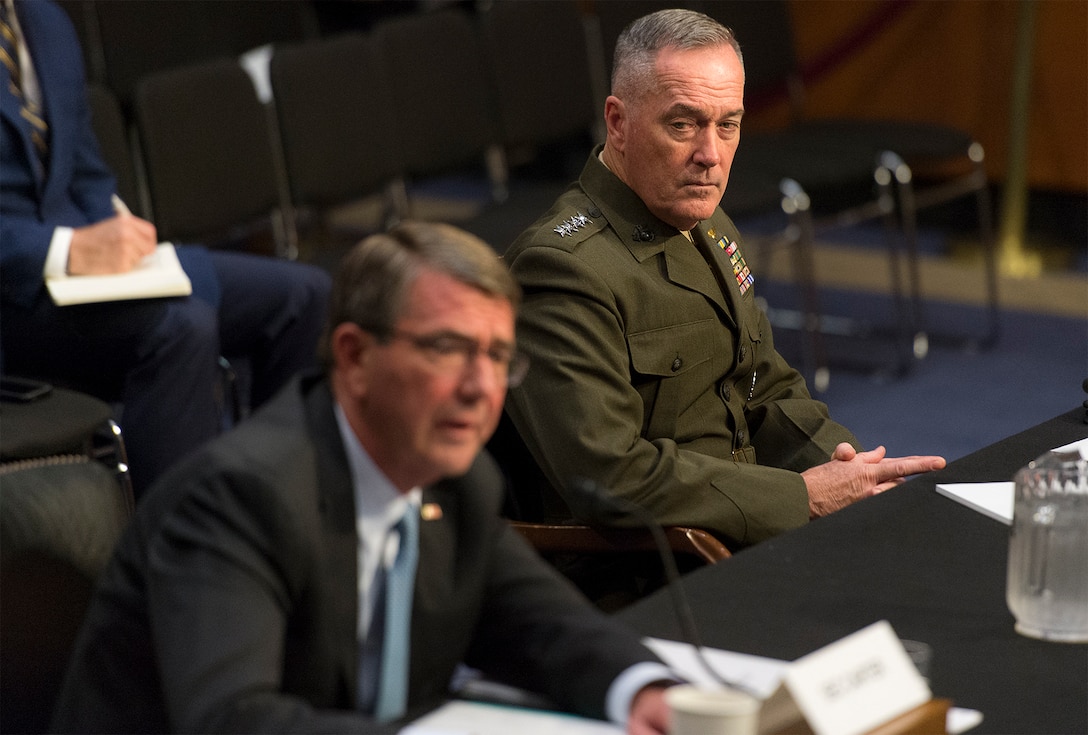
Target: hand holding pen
(114,245)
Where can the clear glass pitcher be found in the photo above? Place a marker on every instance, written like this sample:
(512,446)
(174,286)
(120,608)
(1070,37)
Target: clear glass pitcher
(1047,590)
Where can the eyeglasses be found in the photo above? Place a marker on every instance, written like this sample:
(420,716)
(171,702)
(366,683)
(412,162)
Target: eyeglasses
(453,353)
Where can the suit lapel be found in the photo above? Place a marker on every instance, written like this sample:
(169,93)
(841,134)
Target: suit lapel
(11,107)
(337,502)
(59,68)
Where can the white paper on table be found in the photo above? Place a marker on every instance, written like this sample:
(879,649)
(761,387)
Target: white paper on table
(993,499)
(477,718)
(1077,446)
(757,674)
(996,499)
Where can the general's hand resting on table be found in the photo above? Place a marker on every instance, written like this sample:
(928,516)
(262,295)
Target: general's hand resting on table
(852,475)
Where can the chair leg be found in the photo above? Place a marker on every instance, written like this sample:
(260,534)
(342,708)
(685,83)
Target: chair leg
(989,246)
(910,202)
(797,206)
(113,452)
(916,334)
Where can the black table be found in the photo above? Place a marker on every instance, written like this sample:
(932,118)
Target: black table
(932,567)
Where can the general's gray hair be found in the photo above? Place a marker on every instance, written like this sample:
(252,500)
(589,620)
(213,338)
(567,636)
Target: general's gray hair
(639,43)
(374,278)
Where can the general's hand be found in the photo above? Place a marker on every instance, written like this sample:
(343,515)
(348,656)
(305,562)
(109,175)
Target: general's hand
(853,475)
(649,713)
(114,245)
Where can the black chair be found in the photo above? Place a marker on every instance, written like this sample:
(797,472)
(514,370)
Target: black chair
(114,140)
(339,141)
(65,498)
(546,90)
(211,167)
(128,41)
(62,426)
(442,104)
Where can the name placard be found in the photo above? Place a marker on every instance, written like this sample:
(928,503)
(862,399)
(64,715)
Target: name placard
(848,687)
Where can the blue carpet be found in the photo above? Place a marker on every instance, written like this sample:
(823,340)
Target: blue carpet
(955,400)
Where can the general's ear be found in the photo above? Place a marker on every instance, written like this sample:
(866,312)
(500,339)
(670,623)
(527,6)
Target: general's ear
(615,115)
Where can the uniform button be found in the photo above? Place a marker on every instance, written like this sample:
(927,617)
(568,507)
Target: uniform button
(726,393)
(740,438)
(743,353)
(677,364)
(594,212)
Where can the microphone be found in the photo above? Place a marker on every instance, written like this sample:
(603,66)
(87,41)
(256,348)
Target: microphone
(604,503)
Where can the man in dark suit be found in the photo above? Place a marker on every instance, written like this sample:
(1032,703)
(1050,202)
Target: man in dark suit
(158,357)
(248,594)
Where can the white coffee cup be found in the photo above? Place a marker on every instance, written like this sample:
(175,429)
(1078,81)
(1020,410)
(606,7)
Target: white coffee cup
(703,711)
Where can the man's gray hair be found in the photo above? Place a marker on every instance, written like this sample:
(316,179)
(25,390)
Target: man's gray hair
(373,280)
(639,43)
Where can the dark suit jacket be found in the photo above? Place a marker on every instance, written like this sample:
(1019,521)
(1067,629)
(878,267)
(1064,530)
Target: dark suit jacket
(653,374)
(76,188)
(231,603)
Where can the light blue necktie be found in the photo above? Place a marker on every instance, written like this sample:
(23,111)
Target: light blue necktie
(400,579)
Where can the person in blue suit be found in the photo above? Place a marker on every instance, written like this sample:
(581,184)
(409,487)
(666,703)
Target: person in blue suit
(58,214)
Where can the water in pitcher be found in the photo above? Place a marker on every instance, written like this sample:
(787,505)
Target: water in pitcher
(1047,589)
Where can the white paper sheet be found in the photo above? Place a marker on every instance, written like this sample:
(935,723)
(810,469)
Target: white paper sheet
(996,499)
(993,499)
(476,718)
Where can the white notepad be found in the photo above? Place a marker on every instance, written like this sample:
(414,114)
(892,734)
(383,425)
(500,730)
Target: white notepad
(158,275)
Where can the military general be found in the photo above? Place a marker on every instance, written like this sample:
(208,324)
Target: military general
(655,374)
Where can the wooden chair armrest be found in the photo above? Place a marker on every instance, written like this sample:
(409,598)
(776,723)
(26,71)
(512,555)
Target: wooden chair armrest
(558,538)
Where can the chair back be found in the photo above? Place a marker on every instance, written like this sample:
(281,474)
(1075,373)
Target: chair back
(539,63)
(441,101)
(207,142)
(334,110)
(59,524)
(112,132)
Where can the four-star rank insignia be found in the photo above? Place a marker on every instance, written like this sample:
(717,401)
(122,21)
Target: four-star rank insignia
(572,225)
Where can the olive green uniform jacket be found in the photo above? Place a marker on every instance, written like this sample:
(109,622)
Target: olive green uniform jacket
(654,375)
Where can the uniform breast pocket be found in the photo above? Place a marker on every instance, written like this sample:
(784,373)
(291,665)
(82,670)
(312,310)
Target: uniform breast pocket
(672,367)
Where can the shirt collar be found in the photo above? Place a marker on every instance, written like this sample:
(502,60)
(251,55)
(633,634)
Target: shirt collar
(375,495)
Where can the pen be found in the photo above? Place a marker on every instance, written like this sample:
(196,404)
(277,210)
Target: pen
(119,206)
